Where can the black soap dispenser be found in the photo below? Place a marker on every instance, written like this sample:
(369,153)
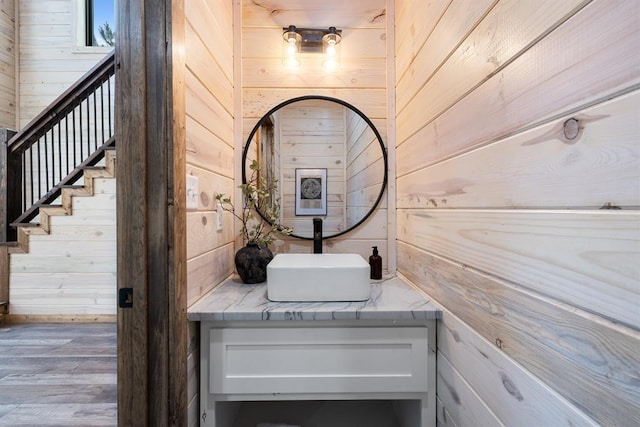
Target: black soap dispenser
(375,262)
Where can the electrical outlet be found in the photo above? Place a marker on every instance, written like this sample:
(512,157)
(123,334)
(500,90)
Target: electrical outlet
(192,192)
(219,217)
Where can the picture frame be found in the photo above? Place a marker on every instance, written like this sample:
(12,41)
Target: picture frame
(311,192)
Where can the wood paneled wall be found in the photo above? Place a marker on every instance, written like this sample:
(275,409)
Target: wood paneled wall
(49,58)
(360,80)
(520,221)
(210,157)
(70,273)
(364,168)
(7,64)
(209,109)
(312,135)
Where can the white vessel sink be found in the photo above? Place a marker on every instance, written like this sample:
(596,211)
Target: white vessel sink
(318,277)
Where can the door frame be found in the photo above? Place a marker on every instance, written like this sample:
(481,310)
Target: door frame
(151,213)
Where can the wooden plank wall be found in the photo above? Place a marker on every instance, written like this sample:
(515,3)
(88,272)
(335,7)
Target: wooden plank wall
(70,274)
(360,80)
(7,64)
(49,61)
(49,58)
(209,52)
(524,228)
(210,156)
(364,168)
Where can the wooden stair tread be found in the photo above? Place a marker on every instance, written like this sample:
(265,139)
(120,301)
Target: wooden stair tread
(52,206)
(47,210)
(12,246)
(25,224)
(31,227)
(97,172)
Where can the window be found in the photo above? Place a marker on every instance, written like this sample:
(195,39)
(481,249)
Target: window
(99,18)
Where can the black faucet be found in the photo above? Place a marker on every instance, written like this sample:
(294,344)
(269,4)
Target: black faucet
(317,235)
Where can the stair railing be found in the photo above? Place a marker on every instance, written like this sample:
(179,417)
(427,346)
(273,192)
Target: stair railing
(50,152)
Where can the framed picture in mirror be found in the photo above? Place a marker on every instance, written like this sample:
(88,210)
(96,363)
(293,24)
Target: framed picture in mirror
(311,192)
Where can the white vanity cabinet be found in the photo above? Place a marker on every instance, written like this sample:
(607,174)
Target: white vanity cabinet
(292,361)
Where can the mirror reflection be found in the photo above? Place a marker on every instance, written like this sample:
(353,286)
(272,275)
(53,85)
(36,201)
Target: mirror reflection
(328,159)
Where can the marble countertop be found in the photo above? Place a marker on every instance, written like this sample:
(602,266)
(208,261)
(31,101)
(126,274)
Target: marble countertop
(391,299)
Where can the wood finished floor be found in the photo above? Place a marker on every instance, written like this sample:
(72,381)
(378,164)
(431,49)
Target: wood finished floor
(58,375)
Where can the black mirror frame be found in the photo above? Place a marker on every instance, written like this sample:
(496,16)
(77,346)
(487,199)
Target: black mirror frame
(347,105)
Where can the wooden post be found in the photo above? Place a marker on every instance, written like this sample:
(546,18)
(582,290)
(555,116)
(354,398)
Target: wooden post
(151,213)
(10,185)
(4,278)
(4,226)
(7,212)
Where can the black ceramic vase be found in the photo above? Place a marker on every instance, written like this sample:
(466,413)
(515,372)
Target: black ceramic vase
(251,263)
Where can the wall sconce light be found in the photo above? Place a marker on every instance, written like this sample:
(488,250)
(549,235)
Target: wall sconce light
(291,47)
(311,40)
(331,48)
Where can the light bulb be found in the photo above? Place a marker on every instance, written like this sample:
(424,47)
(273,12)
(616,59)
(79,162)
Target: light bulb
(330,59)
(331,48)
(291,47)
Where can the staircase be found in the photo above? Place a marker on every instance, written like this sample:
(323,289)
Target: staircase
(57,204)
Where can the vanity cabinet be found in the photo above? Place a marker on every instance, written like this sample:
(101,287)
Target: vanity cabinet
(287,363)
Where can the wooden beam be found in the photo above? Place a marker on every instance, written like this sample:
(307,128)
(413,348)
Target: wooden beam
(152,335)
(10,201)
(176,292)
(4,221)
(4,276)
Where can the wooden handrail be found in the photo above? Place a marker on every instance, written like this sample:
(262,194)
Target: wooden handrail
(35,162)
(64,104)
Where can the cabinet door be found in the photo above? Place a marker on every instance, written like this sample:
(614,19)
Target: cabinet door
(318,360)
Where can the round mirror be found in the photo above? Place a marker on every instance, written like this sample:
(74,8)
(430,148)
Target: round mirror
(327,159)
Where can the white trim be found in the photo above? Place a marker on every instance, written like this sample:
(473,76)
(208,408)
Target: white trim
(79,24)
(92,49)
